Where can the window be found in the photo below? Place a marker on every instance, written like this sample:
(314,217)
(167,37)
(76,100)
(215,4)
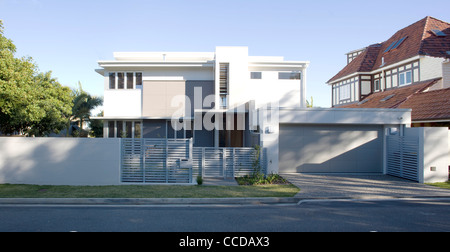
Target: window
(255,75)
(112,80)
(344,92)
(387,97)
(405,78)
(223,84)
(438,33)
(129,80)
(395,44)
(125,129)
(137,129)
(121,81)
(376,85)
(111,129)
(138,79)
(289,76)
(120,132)
(398,43)
(125,80)
(223,101)
(128,129)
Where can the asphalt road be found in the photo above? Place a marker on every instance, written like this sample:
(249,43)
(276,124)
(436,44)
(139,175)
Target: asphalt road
(329,215)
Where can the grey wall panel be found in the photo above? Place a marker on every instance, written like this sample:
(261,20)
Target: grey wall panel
(154,129)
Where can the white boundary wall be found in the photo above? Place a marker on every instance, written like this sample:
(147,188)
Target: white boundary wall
(60,161)
(433,153)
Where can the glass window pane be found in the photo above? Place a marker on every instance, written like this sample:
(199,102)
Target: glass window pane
(401,78)
(255,75)
(111,129)
(120,129)
(112,80)
(288,76)
(128,129)
(121,80)
(408,77)
(129,80)
(138,79)
(137,129)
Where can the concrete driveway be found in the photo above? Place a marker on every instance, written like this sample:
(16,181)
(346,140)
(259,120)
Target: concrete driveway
(337,186)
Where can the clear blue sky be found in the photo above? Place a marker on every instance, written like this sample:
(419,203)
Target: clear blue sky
(69,37)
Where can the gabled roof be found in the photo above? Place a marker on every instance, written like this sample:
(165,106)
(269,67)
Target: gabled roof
(431,105)
(418,39)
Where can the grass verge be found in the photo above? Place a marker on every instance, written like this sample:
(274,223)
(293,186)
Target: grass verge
(145,191)
(445,185)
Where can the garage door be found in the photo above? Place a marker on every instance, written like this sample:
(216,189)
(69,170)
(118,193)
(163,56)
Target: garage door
(330,149)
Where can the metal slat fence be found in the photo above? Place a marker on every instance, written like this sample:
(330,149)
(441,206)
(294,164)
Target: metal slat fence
(160,161)
(155,161)
(227,162)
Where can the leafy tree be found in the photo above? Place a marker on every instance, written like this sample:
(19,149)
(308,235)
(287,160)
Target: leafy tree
(97,126)
(83,103)
(30,102)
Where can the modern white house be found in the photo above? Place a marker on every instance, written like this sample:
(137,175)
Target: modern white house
(208,96)
(227,98)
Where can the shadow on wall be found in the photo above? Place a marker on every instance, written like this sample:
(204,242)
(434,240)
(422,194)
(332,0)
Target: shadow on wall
(60,161)
(319,148)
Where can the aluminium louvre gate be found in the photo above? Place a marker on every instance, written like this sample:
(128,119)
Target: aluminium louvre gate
(227,162)
(403,157)
(149,160)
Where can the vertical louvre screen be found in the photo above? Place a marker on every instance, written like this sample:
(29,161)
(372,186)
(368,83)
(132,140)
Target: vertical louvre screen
(155,161)
(403,159)
(224,78)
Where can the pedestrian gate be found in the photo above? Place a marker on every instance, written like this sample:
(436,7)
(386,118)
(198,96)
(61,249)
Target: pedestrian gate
(156,160)
(402,157)
(177,161)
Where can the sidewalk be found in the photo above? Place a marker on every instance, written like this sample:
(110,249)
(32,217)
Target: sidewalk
(312,186)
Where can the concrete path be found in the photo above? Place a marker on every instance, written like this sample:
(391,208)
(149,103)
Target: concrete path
(334,186)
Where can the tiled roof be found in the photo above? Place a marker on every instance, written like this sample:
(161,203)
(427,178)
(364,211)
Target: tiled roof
(420,40)
(431,105)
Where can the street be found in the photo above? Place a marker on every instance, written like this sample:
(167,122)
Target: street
(326,215)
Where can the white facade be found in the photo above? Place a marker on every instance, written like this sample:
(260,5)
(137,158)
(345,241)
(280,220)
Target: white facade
(163,66)
(143,86)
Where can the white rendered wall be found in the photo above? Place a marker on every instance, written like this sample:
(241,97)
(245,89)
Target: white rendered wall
(59,161)
(122,102)
(435,154)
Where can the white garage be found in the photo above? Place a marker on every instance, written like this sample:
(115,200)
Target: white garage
(324,148)
(328,140)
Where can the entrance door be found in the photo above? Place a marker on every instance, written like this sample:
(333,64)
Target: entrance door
(232,134)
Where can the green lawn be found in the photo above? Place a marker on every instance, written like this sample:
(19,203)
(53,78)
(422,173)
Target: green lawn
(145,191)
(445,185)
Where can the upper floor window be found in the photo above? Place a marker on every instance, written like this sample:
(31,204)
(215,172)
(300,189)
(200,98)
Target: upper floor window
(404,78)
(376,85)
(344,92)
(124,80)
(112,80)
(138,79)
(289,76)
(255,75)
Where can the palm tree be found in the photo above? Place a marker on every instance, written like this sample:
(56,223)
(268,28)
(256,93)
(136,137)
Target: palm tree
(83,103)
